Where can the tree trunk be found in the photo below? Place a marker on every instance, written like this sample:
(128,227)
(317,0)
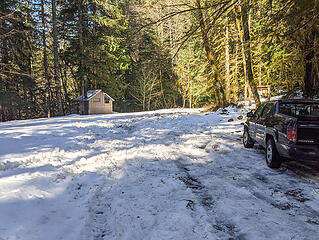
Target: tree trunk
(80,30)
(144,95)
(237,82)
(64,85)
(227,64)
(246,48)
(308,81)
(184,90)
(210,56)
(86,103)
(4,61)
(55,59)
(311,77)
(190,94)
(162,90)
(45,62)
(83,77)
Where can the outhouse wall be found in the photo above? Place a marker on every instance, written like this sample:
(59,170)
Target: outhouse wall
(98,105)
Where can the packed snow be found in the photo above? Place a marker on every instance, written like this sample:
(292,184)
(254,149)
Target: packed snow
(168,174)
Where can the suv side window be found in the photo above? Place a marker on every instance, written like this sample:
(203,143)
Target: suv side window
(267,110)
(258,112)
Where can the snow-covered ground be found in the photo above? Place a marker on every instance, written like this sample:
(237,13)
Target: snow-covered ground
(169,174)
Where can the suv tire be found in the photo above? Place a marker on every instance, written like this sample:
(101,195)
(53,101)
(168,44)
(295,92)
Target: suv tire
(272,156)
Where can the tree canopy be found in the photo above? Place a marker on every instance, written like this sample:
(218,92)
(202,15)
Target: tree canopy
(150,54)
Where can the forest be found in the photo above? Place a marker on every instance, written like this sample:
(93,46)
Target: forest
(150,54)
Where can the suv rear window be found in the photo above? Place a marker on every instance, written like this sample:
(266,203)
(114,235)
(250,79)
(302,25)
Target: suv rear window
(299,109)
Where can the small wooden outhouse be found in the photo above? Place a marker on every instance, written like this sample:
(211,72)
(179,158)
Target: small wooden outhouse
(97,101)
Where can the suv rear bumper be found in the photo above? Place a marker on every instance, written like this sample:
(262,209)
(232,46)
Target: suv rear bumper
(303,152)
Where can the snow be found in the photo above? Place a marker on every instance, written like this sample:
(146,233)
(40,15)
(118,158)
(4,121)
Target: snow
(90,94)
(167,174)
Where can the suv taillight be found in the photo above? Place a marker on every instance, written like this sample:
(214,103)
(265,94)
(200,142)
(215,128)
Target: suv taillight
(292,134)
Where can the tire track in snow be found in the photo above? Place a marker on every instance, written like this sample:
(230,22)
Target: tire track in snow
(98,225)
(220,226)
(220,223)
(292,200)
(286,195)
(296,201)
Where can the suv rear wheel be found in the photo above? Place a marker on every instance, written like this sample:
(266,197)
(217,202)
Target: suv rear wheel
(272,156)
(247,141)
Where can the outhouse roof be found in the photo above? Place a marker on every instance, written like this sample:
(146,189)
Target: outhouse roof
(91,94)
(109,97)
